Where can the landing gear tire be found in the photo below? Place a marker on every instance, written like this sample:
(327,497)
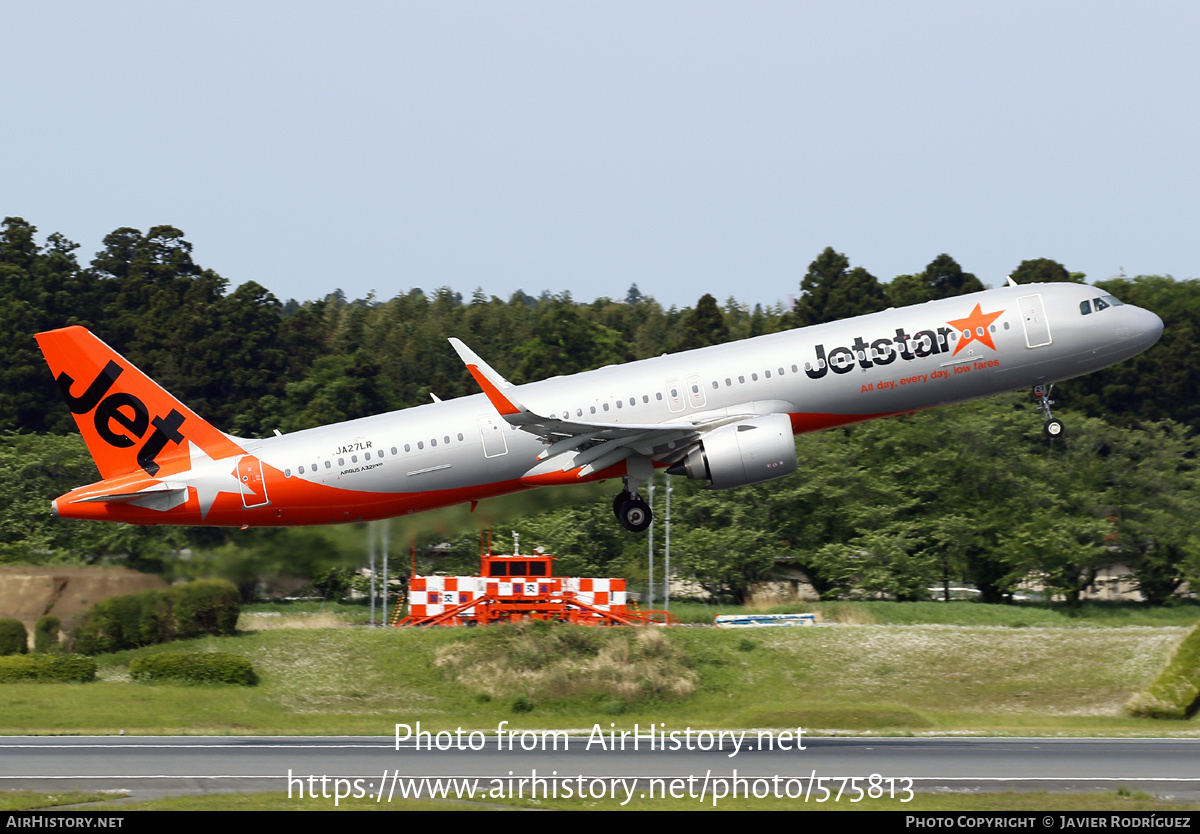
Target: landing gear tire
(618,502)
(635,515)
(1054,428)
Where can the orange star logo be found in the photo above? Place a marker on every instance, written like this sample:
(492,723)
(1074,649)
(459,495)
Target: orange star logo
(974,328)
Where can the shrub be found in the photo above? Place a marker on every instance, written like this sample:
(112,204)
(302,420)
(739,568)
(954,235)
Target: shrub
(43,668)
(13,637)
(194,667)
(206,606)
(45,635)
(150,617)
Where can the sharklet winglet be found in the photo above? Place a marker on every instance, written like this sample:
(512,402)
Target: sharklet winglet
(490,381)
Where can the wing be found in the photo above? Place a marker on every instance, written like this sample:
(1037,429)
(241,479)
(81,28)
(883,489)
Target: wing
(572,444)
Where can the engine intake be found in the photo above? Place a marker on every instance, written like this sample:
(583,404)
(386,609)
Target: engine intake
(745,453)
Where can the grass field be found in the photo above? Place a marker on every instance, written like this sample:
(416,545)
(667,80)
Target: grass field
(894,679)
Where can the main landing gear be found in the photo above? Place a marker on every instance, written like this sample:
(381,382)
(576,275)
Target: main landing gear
(1041,395)
(633,513)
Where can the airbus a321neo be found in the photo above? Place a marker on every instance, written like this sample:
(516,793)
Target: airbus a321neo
(724,414)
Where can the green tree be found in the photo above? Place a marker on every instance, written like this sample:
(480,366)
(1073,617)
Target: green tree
(703,326)
(1044,271)
(41,288)
(564,342)
(831,290)
(905,290)
(36,469)
(721,544)
(946,279)
(1163,382)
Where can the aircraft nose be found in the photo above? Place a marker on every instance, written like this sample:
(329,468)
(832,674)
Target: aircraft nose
(1149,327)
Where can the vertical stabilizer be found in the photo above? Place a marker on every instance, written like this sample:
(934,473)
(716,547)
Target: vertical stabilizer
(128,422)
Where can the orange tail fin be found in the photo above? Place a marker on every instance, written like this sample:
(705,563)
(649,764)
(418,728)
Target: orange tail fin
(126,419)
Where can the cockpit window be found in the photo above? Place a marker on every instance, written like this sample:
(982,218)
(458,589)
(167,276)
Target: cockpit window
(1099,303)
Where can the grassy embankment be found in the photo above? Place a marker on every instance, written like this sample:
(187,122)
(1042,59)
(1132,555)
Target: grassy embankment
(1031,671)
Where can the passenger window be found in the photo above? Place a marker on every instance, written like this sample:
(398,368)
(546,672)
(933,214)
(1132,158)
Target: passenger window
(341,461)
(328,465)
(768,373)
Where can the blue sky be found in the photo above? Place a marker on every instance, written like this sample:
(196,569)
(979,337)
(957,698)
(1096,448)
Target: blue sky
(688,147)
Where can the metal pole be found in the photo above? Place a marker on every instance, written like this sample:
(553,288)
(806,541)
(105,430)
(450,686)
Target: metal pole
(387,529)
(371,558)
(650,604)
(667,567)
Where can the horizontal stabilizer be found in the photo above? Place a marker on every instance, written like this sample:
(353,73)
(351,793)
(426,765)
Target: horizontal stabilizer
(162,497)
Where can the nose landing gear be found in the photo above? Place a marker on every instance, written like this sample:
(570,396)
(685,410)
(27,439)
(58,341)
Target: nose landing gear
(1054,427)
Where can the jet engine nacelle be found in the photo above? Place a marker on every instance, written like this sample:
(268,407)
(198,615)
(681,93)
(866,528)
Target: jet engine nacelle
(746,453)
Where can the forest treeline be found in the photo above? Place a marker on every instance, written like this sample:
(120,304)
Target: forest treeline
(961,494)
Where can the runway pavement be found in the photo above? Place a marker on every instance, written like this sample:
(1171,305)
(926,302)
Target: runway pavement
(150,766)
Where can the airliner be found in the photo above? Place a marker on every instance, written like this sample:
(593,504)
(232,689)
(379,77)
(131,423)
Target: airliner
(724,414)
